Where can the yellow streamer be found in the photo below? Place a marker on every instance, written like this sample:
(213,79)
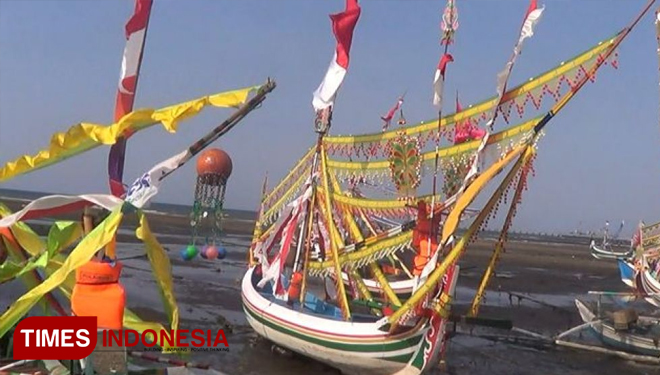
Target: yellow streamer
(462,202)
(443,152)
(162,269)
(86,136)
(477,109)
(99,237)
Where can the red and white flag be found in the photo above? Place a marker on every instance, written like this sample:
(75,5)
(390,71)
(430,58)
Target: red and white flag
(343,25)
(532,17)
(136,29)
(439,80)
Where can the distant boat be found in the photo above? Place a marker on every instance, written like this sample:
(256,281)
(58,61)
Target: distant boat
(604,250)
(642,338)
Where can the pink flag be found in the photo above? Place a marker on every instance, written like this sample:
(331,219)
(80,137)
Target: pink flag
(439,80)
(466,131)
(388,117)
(343,25)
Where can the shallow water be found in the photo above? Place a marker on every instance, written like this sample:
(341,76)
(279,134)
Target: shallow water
(208,294)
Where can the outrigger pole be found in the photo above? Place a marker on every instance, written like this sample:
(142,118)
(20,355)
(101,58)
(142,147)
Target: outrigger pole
(226,125)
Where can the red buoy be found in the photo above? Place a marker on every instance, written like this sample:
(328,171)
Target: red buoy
(215,162)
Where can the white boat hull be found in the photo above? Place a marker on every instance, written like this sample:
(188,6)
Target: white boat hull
(355,348)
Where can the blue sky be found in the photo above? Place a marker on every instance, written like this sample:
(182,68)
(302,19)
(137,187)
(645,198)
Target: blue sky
(60,60)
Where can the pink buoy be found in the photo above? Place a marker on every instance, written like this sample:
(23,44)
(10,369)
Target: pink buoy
(210,252)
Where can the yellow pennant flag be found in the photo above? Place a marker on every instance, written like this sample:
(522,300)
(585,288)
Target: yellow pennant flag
(99,237)
(162,269)
(85,136)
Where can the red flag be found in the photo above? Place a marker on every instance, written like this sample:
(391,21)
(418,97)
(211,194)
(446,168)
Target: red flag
(343,25)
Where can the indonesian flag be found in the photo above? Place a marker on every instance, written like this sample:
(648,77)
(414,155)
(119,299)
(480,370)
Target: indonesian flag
(136,30)
(531,19)
(343,25)
(439,80)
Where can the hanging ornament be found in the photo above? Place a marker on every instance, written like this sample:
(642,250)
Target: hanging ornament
(449,23)
(405,164)
(189,253)
(214,167)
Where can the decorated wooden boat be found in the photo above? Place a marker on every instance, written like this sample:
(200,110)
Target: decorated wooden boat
(315,282)
(317,329)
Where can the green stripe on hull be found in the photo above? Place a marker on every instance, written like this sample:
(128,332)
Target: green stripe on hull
(410,342)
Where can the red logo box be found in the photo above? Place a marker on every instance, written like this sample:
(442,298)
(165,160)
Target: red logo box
(55,337)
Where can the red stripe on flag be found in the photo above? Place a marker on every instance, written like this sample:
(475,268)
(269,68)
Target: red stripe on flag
(532,7)
(343,25)
(444,60)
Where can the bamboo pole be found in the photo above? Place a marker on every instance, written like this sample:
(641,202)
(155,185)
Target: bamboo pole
(257,224)
(454,254)
(624,355)
(307,247)
(362,287)
(499,248)
(349,220)
(382,280)
(341,291)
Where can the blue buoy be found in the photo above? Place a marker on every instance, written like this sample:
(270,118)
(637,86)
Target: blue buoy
(222,252)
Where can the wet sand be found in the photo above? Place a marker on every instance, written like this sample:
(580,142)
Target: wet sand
(549,276)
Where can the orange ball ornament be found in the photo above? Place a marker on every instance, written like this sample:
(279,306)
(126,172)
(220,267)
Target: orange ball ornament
(215,162)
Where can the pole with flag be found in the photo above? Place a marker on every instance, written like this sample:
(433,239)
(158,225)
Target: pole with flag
(136,33)
(448,25)
(532,17)
(343,25)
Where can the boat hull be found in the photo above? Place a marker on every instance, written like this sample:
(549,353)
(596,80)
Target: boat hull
(355,348)
(629,342)
(627,272)
(599,253)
